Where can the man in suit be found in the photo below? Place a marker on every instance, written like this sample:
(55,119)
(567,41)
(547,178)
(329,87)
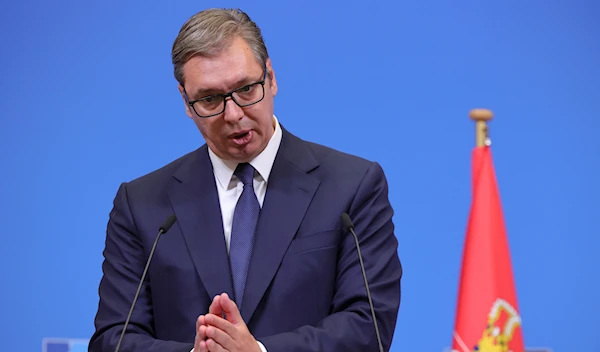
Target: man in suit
(258,259)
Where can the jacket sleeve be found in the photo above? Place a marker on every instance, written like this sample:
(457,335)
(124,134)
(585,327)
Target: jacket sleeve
(124,261)
(350,326)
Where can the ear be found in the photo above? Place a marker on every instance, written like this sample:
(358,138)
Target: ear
(271,77)
(188,108)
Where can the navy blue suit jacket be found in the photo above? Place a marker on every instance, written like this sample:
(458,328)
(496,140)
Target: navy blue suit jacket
(304,291)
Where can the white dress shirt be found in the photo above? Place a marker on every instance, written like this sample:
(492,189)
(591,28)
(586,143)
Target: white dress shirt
(230,187)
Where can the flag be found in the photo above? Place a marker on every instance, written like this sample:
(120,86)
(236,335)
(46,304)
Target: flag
(487,315)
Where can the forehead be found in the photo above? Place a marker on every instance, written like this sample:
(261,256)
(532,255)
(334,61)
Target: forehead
(233,65)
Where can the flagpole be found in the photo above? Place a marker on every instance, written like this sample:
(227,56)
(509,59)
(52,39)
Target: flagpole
(481,117)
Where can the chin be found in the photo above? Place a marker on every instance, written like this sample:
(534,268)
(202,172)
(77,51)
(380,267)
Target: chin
(240,155)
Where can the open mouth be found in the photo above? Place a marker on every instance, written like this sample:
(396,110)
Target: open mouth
(241,138)
(240,135)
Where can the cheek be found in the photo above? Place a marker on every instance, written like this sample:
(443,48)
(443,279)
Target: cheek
(204,126)
(261,119)
(261,114)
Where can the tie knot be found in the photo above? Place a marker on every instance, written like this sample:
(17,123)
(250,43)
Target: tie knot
(245,172)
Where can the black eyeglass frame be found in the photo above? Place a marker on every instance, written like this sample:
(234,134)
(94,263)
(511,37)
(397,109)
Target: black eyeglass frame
(227,95)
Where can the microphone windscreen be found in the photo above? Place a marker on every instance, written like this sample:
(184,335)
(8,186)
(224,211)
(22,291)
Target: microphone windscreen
(166,225)
(347,222)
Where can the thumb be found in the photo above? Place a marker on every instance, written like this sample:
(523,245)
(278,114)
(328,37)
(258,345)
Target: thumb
(231,310)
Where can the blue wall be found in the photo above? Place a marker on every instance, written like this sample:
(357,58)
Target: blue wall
(88,100)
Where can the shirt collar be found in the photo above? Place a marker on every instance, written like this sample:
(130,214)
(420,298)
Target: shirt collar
(262,163)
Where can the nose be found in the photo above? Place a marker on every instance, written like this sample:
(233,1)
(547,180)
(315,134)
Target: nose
(233,112)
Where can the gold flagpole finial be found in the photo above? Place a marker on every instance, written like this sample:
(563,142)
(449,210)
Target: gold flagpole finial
(481,117)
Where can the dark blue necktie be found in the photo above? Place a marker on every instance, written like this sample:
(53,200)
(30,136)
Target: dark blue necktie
(245,218)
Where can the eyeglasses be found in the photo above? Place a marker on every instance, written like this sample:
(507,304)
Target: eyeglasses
(213,105)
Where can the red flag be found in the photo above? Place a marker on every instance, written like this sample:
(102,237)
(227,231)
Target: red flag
(487,317)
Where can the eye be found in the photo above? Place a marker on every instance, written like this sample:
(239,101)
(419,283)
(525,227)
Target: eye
(208,99)
(246,89)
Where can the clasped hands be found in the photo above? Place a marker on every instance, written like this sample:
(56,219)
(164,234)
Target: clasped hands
(217,334)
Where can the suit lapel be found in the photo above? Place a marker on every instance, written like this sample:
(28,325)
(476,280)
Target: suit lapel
(196,204)
(289,193)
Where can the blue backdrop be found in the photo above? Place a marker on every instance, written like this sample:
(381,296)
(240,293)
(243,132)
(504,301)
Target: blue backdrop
(88,93)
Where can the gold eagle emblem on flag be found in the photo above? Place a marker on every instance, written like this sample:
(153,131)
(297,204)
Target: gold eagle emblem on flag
(503,320)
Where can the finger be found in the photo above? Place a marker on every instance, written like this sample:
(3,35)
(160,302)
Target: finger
(215,306)
(231,310)
(200,321)
(213,346)
(220,337)
(201,333)
(201,327)
(222,324)
(202,347)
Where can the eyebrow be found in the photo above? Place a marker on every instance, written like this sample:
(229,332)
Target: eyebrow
(203,92)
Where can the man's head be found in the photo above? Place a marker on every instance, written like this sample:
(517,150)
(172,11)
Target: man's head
(219,52)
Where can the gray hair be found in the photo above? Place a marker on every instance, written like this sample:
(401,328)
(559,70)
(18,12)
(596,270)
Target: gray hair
(209,32)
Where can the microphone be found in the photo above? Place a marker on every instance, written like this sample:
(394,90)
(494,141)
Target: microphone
(166,225)
(349,226)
